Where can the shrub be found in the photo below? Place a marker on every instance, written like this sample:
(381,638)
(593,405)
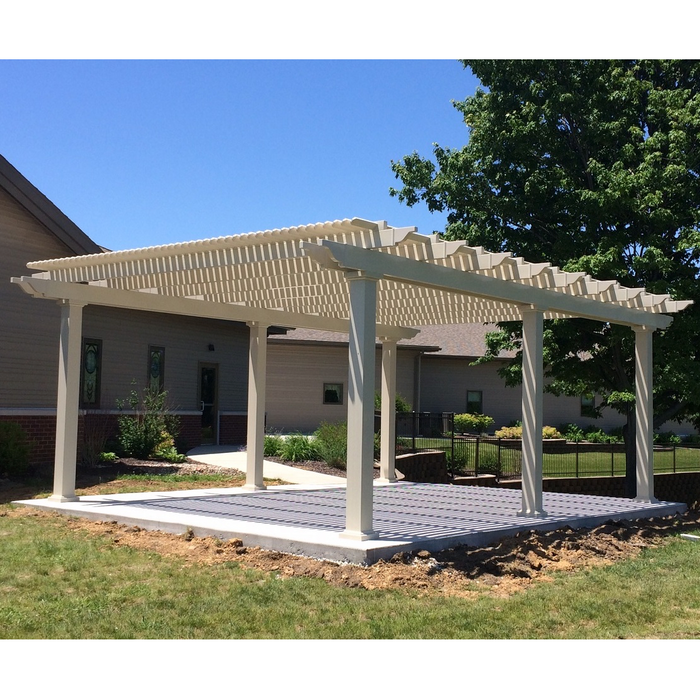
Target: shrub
(298,448)
(472,423)
(153,428)
(331,443)
(516,433)
(598,435)
(668,438)
(571,432)
(14,450)
(402,405)
(273,445)
(550,433)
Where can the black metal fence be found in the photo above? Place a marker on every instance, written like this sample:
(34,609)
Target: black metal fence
(472,455)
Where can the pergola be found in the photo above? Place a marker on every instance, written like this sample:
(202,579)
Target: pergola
(363,278)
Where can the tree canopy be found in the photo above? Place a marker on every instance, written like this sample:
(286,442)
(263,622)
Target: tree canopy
(592,166)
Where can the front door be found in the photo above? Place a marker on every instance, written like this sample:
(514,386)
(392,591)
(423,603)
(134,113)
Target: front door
(208,400)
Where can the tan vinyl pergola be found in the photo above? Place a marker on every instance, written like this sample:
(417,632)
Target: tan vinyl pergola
(359,277)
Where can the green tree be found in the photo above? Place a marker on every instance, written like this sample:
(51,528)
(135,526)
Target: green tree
(592,166)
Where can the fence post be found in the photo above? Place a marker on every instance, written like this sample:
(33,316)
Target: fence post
(476,458)
(674,459)
(576,458)
(612,459)
(413,432)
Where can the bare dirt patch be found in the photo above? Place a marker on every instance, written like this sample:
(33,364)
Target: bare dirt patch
(501,569)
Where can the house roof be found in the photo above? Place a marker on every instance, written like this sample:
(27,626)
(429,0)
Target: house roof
(453,340)
(299,277)
(45,211)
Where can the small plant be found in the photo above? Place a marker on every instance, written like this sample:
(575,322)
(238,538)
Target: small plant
(151,428)
(331,443)
(14,450)
(472,423)
(298,448)
(107,458)
(273,445)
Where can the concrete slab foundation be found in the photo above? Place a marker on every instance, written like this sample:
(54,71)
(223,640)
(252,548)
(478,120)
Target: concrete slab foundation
(308,521)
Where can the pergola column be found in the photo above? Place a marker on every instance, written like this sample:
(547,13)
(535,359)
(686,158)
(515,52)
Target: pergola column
(68,401)
(387,467)
(257,369)
(644,411)
(533,381)
(360,458)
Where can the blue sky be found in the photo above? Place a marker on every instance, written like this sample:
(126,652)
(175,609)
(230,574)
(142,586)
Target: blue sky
(148,152)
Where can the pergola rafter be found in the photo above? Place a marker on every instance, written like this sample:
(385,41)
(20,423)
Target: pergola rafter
(357,276)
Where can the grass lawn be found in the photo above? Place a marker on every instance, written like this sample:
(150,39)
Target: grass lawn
(61,583)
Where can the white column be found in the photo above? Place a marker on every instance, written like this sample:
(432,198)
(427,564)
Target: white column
(533,381)
(360,460)
(257,368)
(387,470)
(644,410)
(67,401)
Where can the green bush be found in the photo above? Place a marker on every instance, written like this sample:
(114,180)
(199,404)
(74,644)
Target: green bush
(472,423)
(598,435)
(151,429)
(14,450)
(298,448)
(402,405)
(273,445)
(571,432)
(668,438)
(331,443)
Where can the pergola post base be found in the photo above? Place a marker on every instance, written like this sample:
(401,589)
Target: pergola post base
(358,536)
(57,498)
(531,514)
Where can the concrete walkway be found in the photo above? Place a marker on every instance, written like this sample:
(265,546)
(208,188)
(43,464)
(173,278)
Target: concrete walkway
(233,457)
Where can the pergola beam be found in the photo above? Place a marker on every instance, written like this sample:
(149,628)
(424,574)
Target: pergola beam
(377,263)
(144,301)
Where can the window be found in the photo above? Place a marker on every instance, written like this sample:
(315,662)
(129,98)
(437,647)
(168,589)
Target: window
(91,370)
(333,393)
(475,402)
(588,406)
(156,368)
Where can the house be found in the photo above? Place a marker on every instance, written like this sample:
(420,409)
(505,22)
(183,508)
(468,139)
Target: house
(435,373)
(202,363)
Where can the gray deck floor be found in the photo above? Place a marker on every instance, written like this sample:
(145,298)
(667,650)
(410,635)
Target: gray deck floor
(309,521)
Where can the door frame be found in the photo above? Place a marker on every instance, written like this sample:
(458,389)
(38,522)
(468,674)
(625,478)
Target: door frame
(215,405)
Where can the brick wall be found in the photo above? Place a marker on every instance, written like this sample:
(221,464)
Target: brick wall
(233,429)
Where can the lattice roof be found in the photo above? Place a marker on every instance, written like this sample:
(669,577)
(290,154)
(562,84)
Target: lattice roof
(298,273)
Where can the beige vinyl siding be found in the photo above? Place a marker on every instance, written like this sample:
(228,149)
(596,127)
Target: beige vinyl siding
(296,373)
(126,336)
(28,327)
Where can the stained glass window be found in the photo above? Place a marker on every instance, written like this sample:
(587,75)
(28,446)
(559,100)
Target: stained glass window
(156,368)
(91,371)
